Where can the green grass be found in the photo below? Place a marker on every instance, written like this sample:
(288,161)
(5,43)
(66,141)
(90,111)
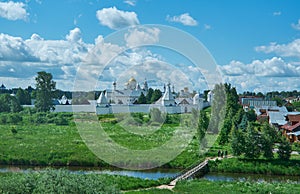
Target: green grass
(39,140)
(61,181)
(45,144)
(256,166)
(210,187)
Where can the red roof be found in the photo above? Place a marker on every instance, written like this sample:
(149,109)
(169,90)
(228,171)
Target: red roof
(293,118)
(290,127)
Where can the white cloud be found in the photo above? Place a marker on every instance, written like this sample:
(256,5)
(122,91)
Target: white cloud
(296,26)
(291,49)
(184,19)
(275,67)
(116,19)
(277,13)
(74,35)
(14,49)
(207,27)
(142,36)
(130,2)
(13,10)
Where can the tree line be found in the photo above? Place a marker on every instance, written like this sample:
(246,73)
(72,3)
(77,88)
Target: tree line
(244,134)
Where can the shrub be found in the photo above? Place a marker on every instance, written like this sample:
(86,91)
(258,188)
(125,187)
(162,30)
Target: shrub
(14,118)
(60,120)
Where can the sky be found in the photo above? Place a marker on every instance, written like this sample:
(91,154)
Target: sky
(255,44)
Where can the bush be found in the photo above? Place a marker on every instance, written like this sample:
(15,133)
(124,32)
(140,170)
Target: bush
(3,119)
(60,120)
(55,181)
(14,118)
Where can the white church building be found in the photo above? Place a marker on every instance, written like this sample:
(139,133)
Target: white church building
(124,100)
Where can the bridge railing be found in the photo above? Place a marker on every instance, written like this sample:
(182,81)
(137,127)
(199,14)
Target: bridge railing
(188,169)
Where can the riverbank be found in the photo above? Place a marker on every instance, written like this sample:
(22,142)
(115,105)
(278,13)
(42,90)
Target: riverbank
(47,181)
(209,187)
(62,181)
(257,166)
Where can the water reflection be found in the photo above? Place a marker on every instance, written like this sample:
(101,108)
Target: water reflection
(250,177)
(149,174)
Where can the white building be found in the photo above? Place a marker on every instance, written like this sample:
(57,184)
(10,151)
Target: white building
(123,101)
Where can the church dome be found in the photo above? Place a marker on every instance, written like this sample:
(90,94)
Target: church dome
(132,80)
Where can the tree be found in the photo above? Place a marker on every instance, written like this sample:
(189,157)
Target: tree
(9,103)
(149,95)
(252,142)
(225,131)
(156,95)
(45,87)
(269,137)
(284,149)
(244,123)
(217,108)
(237,141)
(23,97)
(202,127)
(278,100)
(251,115)
(142,99)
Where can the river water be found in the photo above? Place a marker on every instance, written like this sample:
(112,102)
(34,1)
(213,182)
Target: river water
(160,173)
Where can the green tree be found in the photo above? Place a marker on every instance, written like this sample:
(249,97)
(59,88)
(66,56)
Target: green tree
(218,108)
(9,103)
(244,123)
(156,95)
(225,131)
(269,137)
(45,87)
(278,100)
(238,141)
(202,128)
(284,149)
(251,115)
(252,142)
(142,99)
(149,95)
(23,97)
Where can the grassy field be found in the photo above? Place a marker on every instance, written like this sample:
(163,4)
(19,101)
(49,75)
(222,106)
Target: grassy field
(61,181)
(257,166)
(207,187)
(39,140)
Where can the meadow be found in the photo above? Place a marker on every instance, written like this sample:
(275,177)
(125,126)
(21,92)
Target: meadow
(52,139)
(210,187)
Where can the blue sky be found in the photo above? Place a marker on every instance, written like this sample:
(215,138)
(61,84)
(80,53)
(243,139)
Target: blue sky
(255,43)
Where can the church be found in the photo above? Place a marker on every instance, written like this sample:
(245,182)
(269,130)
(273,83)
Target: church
(124,100)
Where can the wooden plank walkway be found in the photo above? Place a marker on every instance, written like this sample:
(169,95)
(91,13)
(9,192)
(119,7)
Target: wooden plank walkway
(189,173)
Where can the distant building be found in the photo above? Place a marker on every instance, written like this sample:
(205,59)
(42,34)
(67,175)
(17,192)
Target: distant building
(292,128)
(129,95)
(2,87)
(124,100)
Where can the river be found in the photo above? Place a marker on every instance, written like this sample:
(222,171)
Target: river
(155,174)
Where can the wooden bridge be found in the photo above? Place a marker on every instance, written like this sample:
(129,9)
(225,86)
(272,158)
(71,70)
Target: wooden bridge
(189,173)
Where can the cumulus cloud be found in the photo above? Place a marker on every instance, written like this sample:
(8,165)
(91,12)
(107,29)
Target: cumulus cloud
(13,10)
(296,26)
(142,36)
(15,49)
(291,49)
(116,19)
(275,67)
(74,35)
(184,19)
